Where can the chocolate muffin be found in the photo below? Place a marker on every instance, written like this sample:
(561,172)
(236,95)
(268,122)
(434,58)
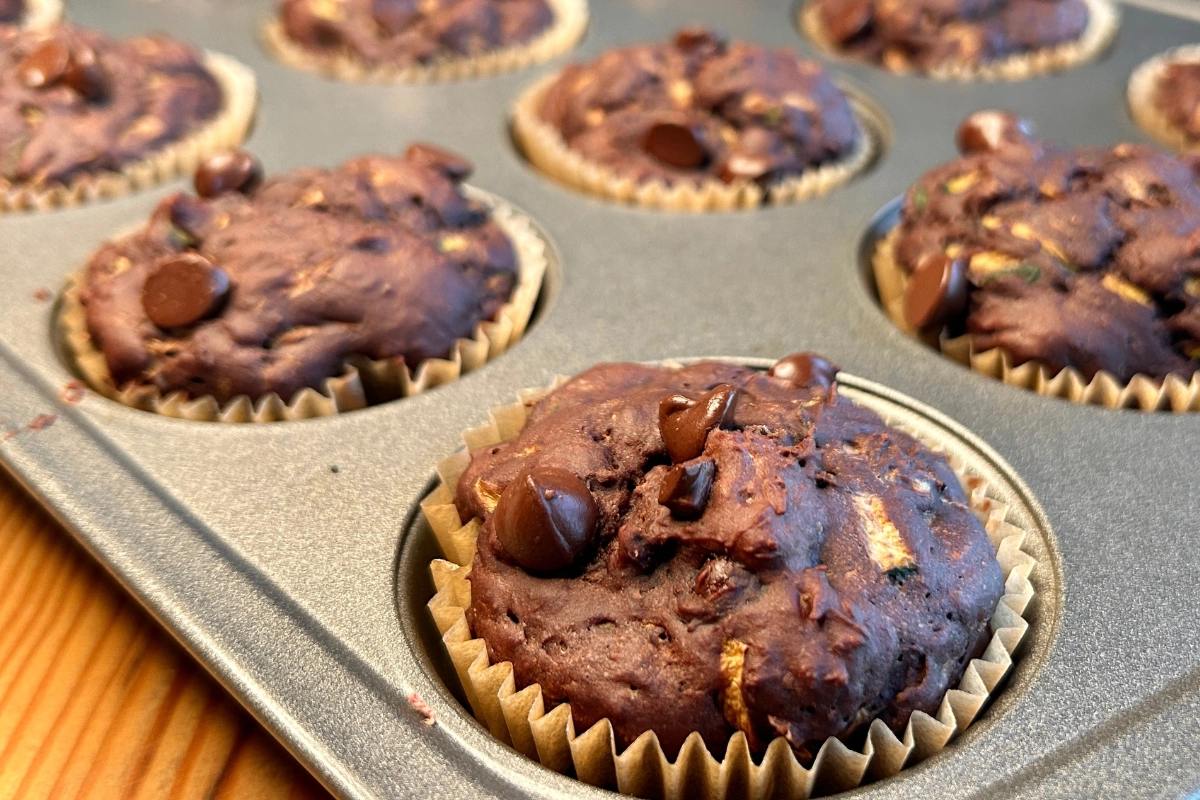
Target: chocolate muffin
(407,39)
(714,549)
(83,114)
(1010,39)
(258,288)
(1164,97)
(696,115)
(1074,259)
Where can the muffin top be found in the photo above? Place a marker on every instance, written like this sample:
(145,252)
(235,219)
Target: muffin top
(1177,96)
(249,290)
(1080,258)
(73,101)
(698,108)
(716,549)
(405,32)
(905,35)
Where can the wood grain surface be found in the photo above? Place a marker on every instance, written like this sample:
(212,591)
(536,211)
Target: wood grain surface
(96,701)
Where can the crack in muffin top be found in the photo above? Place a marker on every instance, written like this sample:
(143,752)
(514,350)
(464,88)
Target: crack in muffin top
(830,572)
(1084,258)
(73,101)
(405,32)
(698,108)
(925,34)
(382,257)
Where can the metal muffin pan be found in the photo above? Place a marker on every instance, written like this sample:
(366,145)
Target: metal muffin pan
(288,557)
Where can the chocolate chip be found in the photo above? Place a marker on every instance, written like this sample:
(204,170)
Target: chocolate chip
(233,171)
(546,518)
(456,167)
(44,65)
(183,289)
(685,423)
(847,19)
(685,488)
(989,131)
(696,37)
(937,291)
(804,369)
(190,215)
(675,145)
(85,75)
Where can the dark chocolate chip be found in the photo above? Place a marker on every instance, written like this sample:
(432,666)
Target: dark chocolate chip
(233,171)
(183,289)
(695,37)
(848,18)
(675,145)
(937,291)
(85,75)
(685,488)
(546,518)
(804,369)
(685,423)
(989,131)
(45,64)
(455,166)
(190,215)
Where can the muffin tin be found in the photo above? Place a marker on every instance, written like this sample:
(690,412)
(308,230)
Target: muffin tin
(290,558)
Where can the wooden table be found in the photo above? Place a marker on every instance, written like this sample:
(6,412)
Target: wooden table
(97,701)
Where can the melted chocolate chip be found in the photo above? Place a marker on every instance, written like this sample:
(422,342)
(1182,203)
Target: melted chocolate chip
(989,131)
(804,369)
(234,171)
(546,518)
(937,291)
(674,145)
(685,423)
(685,488)
(183,289)
(85,75)
(45,64)
(454,166)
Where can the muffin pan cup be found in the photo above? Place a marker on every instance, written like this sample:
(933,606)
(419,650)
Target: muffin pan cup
(1103,22)
(570,22)
(363,379)
(518,715)
(292,560)
(225,131)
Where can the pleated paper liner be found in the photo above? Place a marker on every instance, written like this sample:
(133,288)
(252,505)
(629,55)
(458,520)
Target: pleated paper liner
(518,716)
(545,148)
(1143,87)
(224,132)
(41,13)
(1141,392)
(365,381)
(1103,21)
(570,22)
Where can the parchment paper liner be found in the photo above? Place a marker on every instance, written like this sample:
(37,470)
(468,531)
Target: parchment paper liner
(1103,21)
(1141,392)
(1143,87)
(41,13)
(570,22)
(548,151)
(519,718)
(224,132)
(363,377)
